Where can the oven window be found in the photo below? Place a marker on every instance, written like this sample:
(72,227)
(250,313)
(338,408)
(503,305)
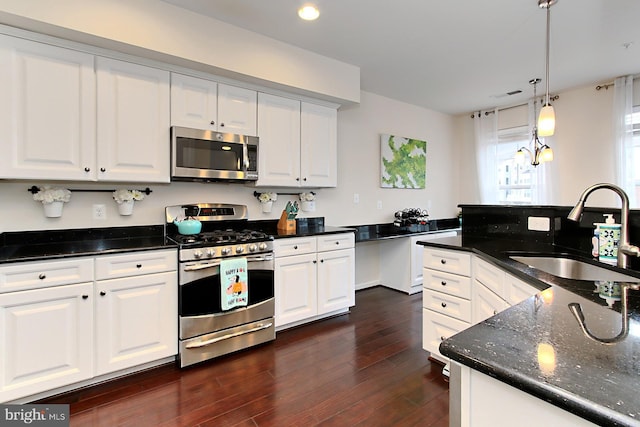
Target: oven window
(214,155)
(203,296)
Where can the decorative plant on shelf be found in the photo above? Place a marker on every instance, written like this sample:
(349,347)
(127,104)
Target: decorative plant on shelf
(266,200)
(52,199)
(125,200)
(307,201)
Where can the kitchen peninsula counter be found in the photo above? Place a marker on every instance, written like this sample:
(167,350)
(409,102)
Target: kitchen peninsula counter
(593,380)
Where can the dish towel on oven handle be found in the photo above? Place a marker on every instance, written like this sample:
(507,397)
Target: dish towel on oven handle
(234,286)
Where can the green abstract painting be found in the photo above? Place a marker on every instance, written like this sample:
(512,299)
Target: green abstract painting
(404,162)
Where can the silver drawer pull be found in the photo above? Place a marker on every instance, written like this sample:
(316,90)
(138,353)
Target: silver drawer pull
(42,276)
(260,327)
(442,338)
(443,283)
(443,261)
(444,304)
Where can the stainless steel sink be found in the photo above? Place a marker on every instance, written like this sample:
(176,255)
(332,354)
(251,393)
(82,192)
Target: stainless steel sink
(572,269)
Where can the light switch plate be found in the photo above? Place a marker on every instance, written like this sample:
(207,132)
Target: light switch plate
(536,223)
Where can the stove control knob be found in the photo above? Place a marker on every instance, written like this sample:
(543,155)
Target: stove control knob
(239,249)
(225,251)
(262,246)
(253,247)
(197,254)
(211,253)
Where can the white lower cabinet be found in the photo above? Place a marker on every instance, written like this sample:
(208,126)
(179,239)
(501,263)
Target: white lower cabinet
(136,321)
(461,290)
(446,297)
(60,324)
(47,339)
(403,259)
(312,278)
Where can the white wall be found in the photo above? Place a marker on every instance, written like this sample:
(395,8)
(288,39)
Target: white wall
(583,147)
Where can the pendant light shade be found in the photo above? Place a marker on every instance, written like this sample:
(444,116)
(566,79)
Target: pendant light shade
(547,121)
(547,118)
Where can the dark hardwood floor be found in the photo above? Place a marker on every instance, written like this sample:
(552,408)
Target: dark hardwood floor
(366,368)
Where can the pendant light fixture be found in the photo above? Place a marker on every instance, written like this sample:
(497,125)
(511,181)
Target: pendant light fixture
(547,118)
(539,153)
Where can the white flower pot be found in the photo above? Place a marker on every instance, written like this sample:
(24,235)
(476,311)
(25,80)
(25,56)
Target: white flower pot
(308,206)
(53,209)
(126,208)
(266,207)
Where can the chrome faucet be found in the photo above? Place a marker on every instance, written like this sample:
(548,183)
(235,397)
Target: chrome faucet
(624,247)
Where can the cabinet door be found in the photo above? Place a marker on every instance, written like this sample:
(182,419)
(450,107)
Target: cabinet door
(517,290)
(296,289)
(336,280)
(47,112)
(133,122)
(194,102)
(417,252)
(279,132)
(319,143)
(436,328)
(46,336)
(485,303)
(237,110)
(136,320)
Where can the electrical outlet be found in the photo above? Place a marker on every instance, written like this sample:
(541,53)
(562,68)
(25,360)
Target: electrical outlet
(356,198)
(379,204)
(99,212)
(536,223)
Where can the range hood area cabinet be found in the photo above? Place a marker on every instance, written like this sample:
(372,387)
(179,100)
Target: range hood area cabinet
(205,104)
(298,143)
(70,115)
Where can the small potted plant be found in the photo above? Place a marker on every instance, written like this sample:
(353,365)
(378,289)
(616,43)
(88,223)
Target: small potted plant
(307,201)
(126,199)
(53,199)
(266,201)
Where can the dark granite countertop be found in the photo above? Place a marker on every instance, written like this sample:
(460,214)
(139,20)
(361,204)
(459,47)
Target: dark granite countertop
(594,380)
(41,245)
(373,232)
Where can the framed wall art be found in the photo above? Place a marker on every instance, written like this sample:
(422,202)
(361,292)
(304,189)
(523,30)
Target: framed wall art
(403,162)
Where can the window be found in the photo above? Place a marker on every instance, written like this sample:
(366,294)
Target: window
(635,121)
(514,180)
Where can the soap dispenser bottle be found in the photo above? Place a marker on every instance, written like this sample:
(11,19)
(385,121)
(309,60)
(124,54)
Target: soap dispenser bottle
(608,240)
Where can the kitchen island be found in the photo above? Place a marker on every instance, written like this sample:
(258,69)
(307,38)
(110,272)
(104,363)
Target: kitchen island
(538,347)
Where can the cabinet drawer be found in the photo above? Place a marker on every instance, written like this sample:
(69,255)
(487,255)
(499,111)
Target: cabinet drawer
(447,304)
(294,246)
(448,283)
(456,262)
(35,275)
(489,275)
(336,241)
(436,328)
(135,263)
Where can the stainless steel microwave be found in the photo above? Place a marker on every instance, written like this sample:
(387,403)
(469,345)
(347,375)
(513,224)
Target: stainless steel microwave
(203,155)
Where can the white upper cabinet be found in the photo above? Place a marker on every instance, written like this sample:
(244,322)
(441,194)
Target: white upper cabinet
(47,111)
(298,143)
(69,115)
(133,122)
(237,110)
(204,104)
(279,133)
(319,144)
(194,102)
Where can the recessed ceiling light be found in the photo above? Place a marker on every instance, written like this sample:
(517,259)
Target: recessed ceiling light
(308,12)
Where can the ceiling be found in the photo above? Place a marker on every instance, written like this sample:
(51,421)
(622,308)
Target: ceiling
(453,56)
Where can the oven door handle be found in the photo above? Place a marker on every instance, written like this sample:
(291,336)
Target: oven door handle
(202,266)
(260,327)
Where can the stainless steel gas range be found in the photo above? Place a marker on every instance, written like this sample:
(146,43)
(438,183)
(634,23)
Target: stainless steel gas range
(225,277)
